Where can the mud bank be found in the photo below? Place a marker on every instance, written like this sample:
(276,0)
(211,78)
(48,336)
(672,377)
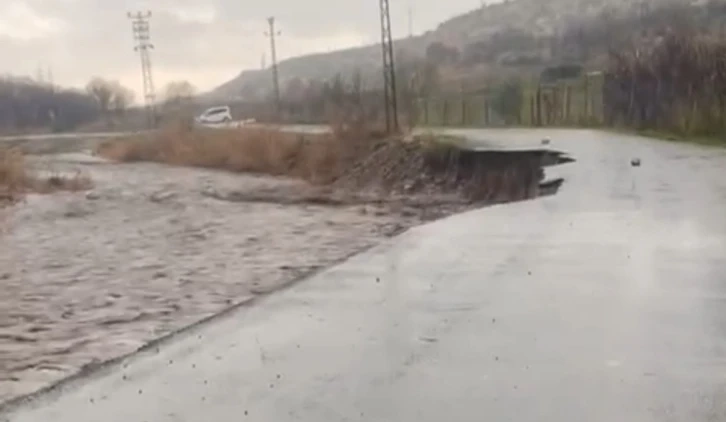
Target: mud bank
(478,176)
(91,276)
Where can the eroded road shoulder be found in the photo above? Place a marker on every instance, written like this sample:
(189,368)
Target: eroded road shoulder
(92,276)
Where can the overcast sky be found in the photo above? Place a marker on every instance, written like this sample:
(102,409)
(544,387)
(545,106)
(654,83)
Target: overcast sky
(204,42)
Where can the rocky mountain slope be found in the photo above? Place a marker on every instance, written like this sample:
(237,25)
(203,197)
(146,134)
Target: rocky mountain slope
(519,26)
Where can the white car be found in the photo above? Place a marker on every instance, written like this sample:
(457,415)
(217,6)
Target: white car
(215,115)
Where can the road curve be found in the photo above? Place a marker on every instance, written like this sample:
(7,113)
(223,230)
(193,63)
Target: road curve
(605,302)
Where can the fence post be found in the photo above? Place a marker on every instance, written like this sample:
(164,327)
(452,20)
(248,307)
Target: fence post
(486,111)
(587,98)
(463,111)
(568,100)
(426,111)
(445,113)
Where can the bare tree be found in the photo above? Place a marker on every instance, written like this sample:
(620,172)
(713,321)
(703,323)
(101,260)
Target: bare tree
(178,101)
(178,92)
(122,98)
(294,90)
(428,80)
(102,91)
(357,86)
(111,96)
(25,104)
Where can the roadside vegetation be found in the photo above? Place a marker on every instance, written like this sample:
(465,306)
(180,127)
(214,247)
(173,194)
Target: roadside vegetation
(317,158)
(354,157)
(677,87)
(17,179)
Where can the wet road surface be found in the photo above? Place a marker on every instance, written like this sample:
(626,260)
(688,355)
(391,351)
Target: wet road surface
(605,302)
(117,134)
(52,136)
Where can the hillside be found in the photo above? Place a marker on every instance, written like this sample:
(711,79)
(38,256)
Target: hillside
(513,33)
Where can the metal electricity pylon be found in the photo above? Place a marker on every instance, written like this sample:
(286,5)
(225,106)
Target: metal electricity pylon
(275,78)
(410,21)
(142,39)
(389,69)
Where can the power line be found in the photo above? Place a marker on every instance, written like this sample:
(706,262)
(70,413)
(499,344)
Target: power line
(275,76)
(389,69)
(142,38)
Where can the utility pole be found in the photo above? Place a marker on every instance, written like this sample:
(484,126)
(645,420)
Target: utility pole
(39,75)
(50,79)
(142,39)
(275,77)
(389,69)
(410,21)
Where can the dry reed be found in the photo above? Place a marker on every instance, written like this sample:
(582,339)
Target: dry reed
(16,179)
(318,158)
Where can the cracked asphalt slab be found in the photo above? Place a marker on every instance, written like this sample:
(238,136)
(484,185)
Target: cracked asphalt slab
(603,302)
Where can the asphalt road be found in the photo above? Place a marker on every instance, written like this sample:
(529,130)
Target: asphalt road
(605,302)
(116,134)
(54,136)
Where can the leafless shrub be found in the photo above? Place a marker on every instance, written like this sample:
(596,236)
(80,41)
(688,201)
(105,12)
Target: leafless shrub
(13,175)
(16,179)
(677,84)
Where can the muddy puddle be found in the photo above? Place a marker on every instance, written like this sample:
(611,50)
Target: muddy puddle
(94,275)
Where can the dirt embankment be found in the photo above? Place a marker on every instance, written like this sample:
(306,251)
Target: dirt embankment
(424,168)
(351,164)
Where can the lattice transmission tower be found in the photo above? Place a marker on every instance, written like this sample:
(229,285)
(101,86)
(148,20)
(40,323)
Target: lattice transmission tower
(389,69)
(275,76)
(143,45)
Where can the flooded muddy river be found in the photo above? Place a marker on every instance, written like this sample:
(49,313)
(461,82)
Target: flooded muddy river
(90,276)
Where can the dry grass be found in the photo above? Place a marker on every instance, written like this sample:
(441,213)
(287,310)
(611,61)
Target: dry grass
(16,179)
(318,158)
(355,156)
(13,175)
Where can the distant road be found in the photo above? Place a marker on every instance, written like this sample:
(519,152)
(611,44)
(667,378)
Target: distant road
(97,135)
(49,136)
(481,139)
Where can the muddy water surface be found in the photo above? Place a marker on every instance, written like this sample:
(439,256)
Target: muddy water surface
(91,276)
